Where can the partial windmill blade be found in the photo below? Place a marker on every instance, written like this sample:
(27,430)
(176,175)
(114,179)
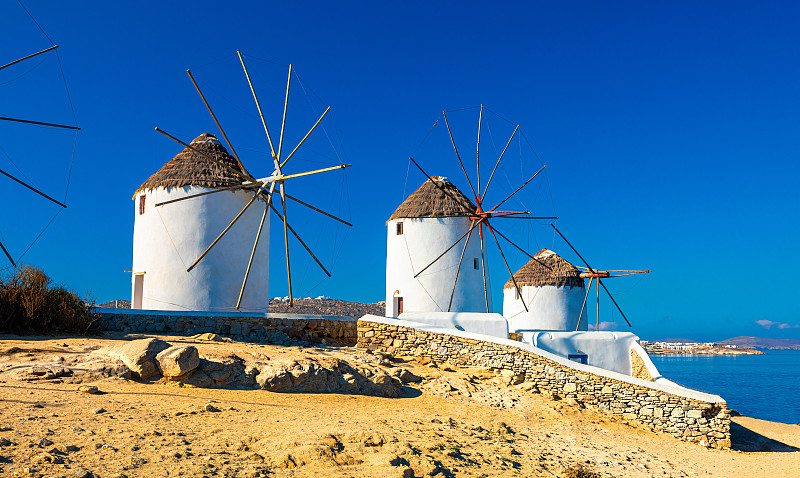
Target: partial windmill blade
(260,113)
(283,163)
(520,188)
(192,196)
(448,249)
(457,155)
(526,217)
(593,271)
(286,243)
(249,203)
(318,210)
(522,250)
(283,123)
(40,123)
(458,269)
(208,157)
(8,255)
(478,166)
(33,189)
(29,56)
(446,192)
(296,236)
(315,171)
(498,163)
(483,264)
(513,279)
(255,246)
(219,126)
(585,298)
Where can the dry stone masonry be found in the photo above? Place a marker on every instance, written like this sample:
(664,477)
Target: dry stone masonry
(685,414)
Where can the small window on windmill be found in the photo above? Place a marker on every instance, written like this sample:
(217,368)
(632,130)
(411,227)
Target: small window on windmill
(579,357)
(141,203)
(476,263)
(399,228)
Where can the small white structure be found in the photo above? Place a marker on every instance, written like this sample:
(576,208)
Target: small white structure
(167,239)
(554,296)
(423,227)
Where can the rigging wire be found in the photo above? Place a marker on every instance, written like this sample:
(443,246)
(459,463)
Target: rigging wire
(44,58)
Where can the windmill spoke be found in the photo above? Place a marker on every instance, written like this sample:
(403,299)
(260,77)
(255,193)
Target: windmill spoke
(318,210)
(498,162)
(458,155)
(305,137)
(258,106)
(520,188)
(301,241)
(8,255)
(29,56)
(525,217)
(446,192)
(574,250)
(249,203)
(33,189)
(458,269)
(283,123)
(483,267)
(588,289)
(231,188)
(253,253)
(219,126)
(478,167)
(307,173)
(286,240)
(41,123)
(208,157)
(615,302)
(448,249)
(513,279)
(521,249)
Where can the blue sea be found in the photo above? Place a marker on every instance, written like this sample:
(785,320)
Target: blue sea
(759,386)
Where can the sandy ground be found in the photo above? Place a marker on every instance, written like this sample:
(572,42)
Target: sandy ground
(453,423)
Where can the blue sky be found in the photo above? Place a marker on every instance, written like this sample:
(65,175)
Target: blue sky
(670,134)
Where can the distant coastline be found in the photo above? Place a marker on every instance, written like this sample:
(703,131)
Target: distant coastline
(700,350)
(744,345)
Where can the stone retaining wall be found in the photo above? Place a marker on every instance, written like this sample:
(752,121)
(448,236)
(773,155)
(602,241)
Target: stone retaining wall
(686,414)
(273,328)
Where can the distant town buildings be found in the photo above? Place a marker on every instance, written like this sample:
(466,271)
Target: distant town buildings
(683,345)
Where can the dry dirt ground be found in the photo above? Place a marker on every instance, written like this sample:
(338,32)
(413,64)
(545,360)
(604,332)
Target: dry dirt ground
(452,423)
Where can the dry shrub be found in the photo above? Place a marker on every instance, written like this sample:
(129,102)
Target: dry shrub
(580,471)
(31,304)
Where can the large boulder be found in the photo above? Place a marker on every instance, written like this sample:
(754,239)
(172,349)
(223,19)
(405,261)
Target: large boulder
(139,356)
(178,360)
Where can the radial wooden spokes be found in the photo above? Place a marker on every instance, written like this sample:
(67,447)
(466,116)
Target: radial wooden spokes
(458,269)
(255,245)
(513,279)
(219,126)
(318,210)
(595,272)
(283,123)
(283,163)
(445,191)
(520,188)
(474,224)
(40,123)
(521,249)
(286,241)
(478,161)
(208,157)
(583,306)
(8,255)
(33,189)
(29,56)
(249,203)
(192,196)
(483,267)
(294,233)
(258,106)
(457,155)
(498,163)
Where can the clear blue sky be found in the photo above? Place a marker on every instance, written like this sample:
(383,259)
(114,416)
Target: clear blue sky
(670,133)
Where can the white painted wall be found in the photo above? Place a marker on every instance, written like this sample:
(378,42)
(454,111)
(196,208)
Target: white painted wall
(167,239)
(423,239)
(608,350)
(494,325)
(549,308)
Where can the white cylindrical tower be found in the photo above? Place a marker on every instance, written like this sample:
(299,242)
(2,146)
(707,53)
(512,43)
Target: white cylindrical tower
(554,296)
(167,239)
(422,228)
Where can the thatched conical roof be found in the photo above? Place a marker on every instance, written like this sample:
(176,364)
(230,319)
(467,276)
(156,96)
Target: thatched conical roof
(430,201)
(535,274)
(188,168)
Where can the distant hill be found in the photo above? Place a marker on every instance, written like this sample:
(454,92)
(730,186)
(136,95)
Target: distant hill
(763,343)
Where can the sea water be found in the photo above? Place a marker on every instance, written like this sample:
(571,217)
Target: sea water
(759,386)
